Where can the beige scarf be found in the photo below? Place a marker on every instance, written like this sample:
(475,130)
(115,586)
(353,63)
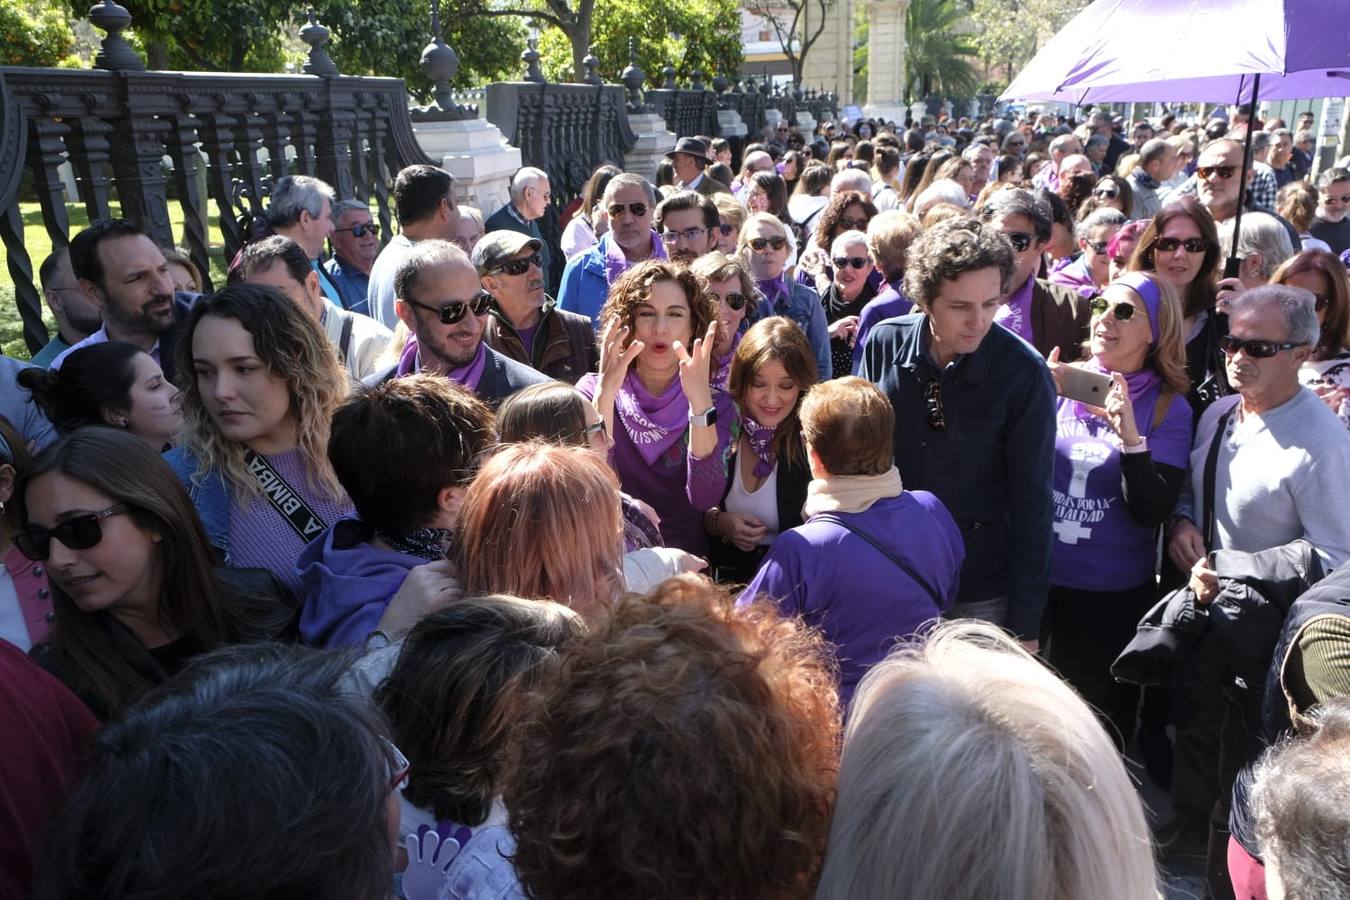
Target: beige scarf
(850,493)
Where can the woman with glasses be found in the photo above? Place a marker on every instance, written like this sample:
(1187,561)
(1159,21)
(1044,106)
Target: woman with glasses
(729,283)
(262,386)
(851,289)
(133,589)
(790,167)
(1119,469)
(1181,247)
(113,384)
(1110,192)
(847,211)
(730,217)
(670,429)
(765,244)
(767,472)
(1328,371)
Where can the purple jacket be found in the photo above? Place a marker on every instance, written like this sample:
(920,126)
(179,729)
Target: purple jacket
(887,304)
(860,600)
(347,582)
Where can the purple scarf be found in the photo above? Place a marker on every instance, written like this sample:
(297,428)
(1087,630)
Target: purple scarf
(761,442)
(616,263)
(467,375)
(654,424)
(722,365)
(1015,315)
(772,289)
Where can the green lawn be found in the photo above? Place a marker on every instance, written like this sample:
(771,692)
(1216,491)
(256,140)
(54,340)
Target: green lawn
(39,245)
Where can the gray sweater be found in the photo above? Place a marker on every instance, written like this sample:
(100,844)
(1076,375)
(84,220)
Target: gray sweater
(1281,476)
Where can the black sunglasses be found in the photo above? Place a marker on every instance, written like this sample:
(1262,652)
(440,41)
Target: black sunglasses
(519,266)
(76,533)
(1020,240)
(1223,172)
(637,209)
(1256,349)
(1106,193)
(1192,245)
(776,243)
(734,300)
(363,229)
(852,225)
(843,262)
(452,312)
(1121,312)
(1098,247)
(932,398)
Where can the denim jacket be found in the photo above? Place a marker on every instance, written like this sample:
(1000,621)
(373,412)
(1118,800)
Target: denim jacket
(803,307)
(211,497)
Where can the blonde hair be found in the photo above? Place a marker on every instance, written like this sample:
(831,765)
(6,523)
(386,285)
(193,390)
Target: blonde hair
(889,235)
(1005,773)
(1168,356)
(542,521)
(729,208)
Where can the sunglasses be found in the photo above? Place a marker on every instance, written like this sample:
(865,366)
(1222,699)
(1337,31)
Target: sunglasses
(616,209)
(852,224)
(597,428)
(1256,349)
(932,398)
(688,234)
(844,262)
(1121,312)
(734,300)
(75,533)
(452,312)
(776,243)
(363,229)
(1020,240)
(1106,193)
(1098,247)
(399,767)
(1223,173)
(726,229)
(519,266)
(1191,245)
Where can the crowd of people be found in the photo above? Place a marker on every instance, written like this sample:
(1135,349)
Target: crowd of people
(856,514)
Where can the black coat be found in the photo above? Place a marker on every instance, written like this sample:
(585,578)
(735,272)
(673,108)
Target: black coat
(731,564)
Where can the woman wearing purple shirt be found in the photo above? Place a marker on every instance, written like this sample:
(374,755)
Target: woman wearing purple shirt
(1118,472)
(670,431)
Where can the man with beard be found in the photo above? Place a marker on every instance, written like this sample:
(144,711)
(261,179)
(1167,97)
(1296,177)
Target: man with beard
(524,323)
(76,318)
(630,202)
(685,220)
(125,277)
(441,300)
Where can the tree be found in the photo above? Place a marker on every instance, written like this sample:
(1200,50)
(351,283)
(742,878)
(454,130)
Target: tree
(796,24)
(937,55)
(34,35)
(1002,35)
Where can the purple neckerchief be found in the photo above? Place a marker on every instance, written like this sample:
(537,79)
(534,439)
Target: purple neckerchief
(654,424)
(761,442)
(1139,383)
(1015,315)
(616,263)
(467,375)
(1148,291)
(772,289)
(722,365)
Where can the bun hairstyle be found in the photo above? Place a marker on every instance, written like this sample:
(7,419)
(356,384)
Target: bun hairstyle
(92,387)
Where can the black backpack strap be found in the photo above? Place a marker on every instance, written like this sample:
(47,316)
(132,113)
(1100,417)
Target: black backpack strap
(1211,472)
(345,338)
(900,563)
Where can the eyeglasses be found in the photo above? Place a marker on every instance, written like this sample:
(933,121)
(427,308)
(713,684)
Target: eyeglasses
(399,767)
(852,224)
(726,228)
(843,262)
(594,428)
(363,229)
(1121,312)
(519,266)
(616,209)
(1106,193)
(1020,240)
(1332,198)
(734,300)
(932,398)
(452,312)
(1257,349)
(688,234)
(782,128)
(1191,245)
(1223,173)
(76,533)
(776,243)
(1098,247)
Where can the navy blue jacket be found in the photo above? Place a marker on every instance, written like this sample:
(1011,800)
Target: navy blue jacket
(992,466)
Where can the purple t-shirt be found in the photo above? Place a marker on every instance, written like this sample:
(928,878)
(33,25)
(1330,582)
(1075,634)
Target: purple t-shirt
(1098,545)
(527,339)
(1015,315)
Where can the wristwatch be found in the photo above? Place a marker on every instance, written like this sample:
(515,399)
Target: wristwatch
(706,418)
(377,640)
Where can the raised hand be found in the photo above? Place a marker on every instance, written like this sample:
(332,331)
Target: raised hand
(695,369)
(615,358)
(428,859)
(1119,411)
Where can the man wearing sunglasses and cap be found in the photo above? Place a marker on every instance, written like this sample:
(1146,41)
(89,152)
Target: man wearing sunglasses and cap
(690,158)
(523,322)
(440,298)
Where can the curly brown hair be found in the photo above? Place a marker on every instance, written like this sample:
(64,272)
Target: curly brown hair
(829,228)
(950,249)
(686,749)
(634,287)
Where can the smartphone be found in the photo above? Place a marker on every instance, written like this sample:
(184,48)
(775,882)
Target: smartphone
(1084,385)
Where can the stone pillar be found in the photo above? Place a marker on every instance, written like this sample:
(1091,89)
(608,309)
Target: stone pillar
(829,64)
(654,141)
(886,60)
(730,125)
(476,153)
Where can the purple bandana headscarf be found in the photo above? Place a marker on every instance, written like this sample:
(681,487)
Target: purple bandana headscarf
(654,424)
(722,365)
(467,375)
(616,263)
(761,442)
(1147,289)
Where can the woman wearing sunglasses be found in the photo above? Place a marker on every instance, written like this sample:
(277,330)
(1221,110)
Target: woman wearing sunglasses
(767,472)
(765,243)
(1181,247)
(262,386)
(849,211)
(1110,192)
(670,429)
(133,589)
(1327,372)
(1119,470)
(26,613)
(850,290)
(729,283)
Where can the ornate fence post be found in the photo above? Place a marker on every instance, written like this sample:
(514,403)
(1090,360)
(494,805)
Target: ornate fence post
(654,138)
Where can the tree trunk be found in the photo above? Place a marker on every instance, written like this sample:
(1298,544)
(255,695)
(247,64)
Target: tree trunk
(581,39)
(156,56)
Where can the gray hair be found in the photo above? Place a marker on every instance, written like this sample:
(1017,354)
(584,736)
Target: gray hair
(293,194)
(1061,144)
(973,150)
(1260,141)
(525,177)
(944,190)
(1296,306)
(1153,150)
(628,179)
(1020,202)
(1331,176)
(1261,233)
(426,255)
(851,180)
(1095,141)
(1098,218)
(346,206)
